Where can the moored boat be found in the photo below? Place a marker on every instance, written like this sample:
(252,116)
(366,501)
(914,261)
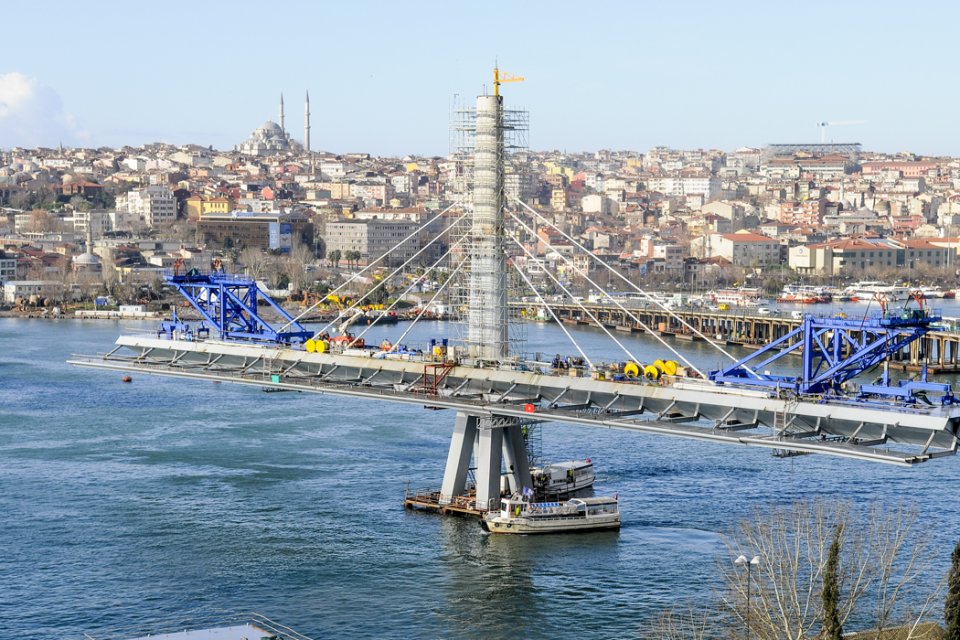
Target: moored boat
(560,479)
(741,297)
(870,289)
(518,515)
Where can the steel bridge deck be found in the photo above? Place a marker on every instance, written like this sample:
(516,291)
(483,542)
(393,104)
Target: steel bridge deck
(683,408)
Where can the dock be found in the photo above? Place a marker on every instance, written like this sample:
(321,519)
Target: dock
(429,500)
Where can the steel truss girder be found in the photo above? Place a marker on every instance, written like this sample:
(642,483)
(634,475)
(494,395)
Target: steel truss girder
(824,367)
(230,305)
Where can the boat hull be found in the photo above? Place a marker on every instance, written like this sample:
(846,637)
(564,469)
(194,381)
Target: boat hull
(527,526)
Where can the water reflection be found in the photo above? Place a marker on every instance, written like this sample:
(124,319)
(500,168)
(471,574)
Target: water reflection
(498,586)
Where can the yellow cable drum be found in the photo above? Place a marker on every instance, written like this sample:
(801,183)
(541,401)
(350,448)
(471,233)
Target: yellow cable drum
(311,346)
(631,370)
(651,371)
(320,346)
(669,368)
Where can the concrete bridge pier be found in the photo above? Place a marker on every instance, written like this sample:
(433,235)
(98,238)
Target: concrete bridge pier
(493,443)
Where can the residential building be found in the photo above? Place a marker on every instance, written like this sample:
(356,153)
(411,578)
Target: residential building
(13,289)
(905,169)
(153,205)
(97,222)
(196,206)
(743,249)
(803,213)
(8,267)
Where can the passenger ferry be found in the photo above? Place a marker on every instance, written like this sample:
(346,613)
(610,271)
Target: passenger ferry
(560,479)
(742,297)
(518,515)
(867,289)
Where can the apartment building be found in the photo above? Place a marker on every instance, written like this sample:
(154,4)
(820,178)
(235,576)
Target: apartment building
(805,213)
(8,267)
(153,205)
(97,222)
(743,249)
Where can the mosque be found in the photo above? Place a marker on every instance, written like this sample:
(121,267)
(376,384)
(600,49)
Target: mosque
(271,138)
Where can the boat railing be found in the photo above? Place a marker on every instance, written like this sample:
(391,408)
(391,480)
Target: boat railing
(155,627)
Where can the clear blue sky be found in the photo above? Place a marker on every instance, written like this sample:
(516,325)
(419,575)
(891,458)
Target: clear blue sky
(616,75)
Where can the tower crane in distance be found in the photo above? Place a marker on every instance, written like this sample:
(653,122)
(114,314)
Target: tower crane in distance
(823,127)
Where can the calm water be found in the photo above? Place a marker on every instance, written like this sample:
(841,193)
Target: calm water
(123,503)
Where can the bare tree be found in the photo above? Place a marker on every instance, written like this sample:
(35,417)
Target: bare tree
(296,272)
(87,283)
(886,555)
(64,278)
(79,203)
(255,261)
(691,622)
(43,221)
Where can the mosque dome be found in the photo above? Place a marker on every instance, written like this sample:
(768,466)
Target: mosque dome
(269,125)
(86,259)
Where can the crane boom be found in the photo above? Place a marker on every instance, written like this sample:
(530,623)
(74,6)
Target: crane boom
(502,76)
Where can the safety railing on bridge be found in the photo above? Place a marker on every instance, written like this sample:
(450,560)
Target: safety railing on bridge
(151,628)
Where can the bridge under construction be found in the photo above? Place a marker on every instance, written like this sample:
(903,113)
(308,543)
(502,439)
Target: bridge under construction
(825,405)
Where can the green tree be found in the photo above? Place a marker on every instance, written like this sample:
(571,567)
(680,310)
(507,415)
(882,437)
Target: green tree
(335,256)
(832,627)
(951,613)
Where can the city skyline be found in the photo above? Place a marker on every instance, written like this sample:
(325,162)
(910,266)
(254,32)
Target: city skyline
(617,76)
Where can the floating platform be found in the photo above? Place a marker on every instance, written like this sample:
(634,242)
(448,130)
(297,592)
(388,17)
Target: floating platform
(429,500)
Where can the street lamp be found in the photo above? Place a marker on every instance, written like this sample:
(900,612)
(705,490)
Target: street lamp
(742,560)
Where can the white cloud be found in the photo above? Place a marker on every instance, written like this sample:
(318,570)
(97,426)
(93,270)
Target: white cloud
(32,115)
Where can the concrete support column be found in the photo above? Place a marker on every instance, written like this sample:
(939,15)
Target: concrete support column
(489,461)
(458,458)
(515,458)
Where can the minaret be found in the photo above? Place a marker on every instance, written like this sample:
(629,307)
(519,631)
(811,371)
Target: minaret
(306,127)
(281,113)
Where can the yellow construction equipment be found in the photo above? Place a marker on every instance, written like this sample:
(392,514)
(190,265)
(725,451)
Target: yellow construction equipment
(502,76)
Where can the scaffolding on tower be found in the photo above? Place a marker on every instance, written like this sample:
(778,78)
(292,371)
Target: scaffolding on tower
(487,143)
